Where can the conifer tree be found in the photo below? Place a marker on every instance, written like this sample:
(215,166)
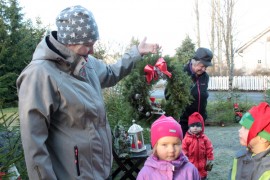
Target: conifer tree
(185,52)
(18,39)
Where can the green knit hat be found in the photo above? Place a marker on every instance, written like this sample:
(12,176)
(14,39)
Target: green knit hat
(257,120)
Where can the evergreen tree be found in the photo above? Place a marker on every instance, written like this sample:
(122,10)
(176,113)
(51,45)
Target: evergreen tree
(18,41)
(186,51)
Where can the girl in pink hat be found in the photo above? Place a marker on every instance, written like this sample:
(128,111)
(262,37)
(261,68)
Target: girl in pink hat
(167,160)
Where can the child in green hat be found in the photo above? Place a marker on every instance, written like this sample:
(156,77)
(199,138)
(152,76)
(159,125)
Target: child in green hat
(253,162)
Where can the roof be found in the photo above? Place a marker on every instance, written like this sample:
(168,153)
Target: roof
(254,39)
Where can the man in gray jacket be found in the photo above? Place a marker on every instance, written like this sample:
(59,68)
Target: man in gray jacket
(64,128)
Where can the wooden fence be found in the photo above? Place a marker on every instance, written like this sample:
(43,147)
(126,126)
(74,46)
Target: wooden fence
(247,83)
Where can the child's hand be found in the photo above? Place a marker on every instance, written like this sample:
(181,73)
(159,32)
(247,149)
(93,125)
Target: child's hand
(209,166)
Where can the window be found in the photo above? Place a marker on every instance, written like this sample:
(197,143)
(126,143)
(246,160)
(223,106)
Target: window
(259,61)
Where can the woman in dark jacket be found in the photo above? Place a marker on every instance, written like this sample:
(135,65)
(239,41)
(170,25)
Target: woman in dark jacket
(196,69)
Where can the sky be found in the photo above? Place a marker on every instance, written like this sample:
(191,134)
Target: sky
(166,22)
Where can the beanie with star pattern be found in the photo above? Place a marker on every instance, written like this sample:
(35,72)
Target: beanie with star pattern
(76,25)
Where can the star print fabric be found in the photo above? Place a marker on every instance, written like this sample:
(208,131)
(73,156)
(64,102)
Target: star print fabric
(76,25)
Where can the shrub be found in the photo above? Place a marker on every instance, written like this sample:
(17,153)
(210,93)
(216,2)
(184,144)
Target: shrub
(222,109)
(268,96)
(11,152)
(118,110)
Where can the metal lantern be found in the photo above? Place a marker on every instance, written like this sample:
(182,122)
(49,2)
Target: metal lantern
(135,133)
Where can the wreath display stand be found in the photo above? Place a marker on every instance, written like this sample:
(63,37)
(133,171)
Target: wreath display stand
(138,85)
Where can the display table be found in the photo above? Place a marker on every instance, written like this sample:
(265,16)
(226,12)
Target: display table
(130,164)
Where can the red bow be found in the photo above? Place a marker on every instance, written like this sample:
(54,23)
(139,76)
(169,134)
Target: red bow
(151,71)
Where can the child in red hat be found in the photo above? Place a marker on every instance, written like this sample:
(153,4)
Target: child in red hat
(197,146)
(253,162)
(167,160)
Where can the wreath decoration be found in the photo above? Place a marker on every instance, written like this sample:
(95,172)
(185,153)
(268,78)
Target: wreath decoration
(137,88)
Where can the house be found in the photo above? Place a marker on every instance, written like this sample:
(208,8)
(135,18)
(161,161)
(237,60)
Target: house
(254,55)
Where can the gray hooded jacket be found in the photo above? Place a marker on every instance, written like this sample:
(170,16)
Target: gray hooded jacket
(64,128)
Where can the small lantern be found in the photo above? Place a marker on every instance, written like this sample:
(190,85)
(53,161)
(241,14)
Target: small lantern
(136,135)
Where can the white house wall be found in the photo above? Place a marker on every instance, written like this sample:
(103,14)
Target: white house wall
(248,60)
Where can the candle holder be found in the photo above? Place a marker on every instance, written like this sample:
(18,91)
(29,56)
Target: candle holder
(135,133)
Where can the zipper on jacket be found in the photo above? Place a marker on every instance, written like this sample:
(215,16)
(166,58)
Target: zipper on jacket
(38,172)
(76,153)
(199,95)
(198,152)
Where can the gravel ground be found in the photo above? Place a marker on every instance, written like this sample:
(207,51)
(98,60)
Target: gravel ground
(226,143)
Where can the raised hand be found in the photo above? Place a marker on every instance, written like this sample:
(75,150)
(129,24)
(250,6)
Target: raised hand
(145,48)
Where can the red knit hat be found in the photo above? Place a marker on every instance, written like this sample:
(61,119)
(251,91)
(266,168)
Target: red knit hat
(257,120)
(165,126)
(195,118)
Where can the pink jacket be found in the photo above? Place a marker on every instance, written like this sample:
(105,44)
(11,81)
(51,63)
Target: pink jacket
(164,170)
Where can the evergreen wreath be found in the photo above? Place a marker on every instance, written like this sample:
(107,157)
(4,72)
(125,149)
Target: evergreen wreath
(137,90)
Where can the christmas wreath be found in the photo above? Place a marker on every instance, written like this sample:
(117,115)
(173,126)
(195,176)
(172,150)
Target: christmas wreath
(137,87)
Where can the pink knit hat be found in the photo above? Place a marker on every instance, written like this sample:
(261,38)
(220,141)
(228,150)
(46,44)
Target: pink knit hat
(165,126)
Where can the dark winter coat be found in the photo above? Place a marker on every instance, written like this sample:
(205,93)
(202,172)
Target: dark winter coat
(199,92)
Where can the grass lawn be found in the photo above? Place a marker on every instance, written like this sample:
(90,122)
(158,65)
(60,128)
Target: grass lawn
(226,143)
(10,110)
(10,115)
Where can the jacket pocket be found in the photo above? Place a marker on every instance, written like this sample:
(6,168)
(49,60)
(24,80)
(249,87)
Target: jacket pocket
(76,161)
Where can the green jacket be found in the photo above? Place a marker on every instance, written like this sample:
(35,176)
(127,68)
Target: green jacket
(251,167)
